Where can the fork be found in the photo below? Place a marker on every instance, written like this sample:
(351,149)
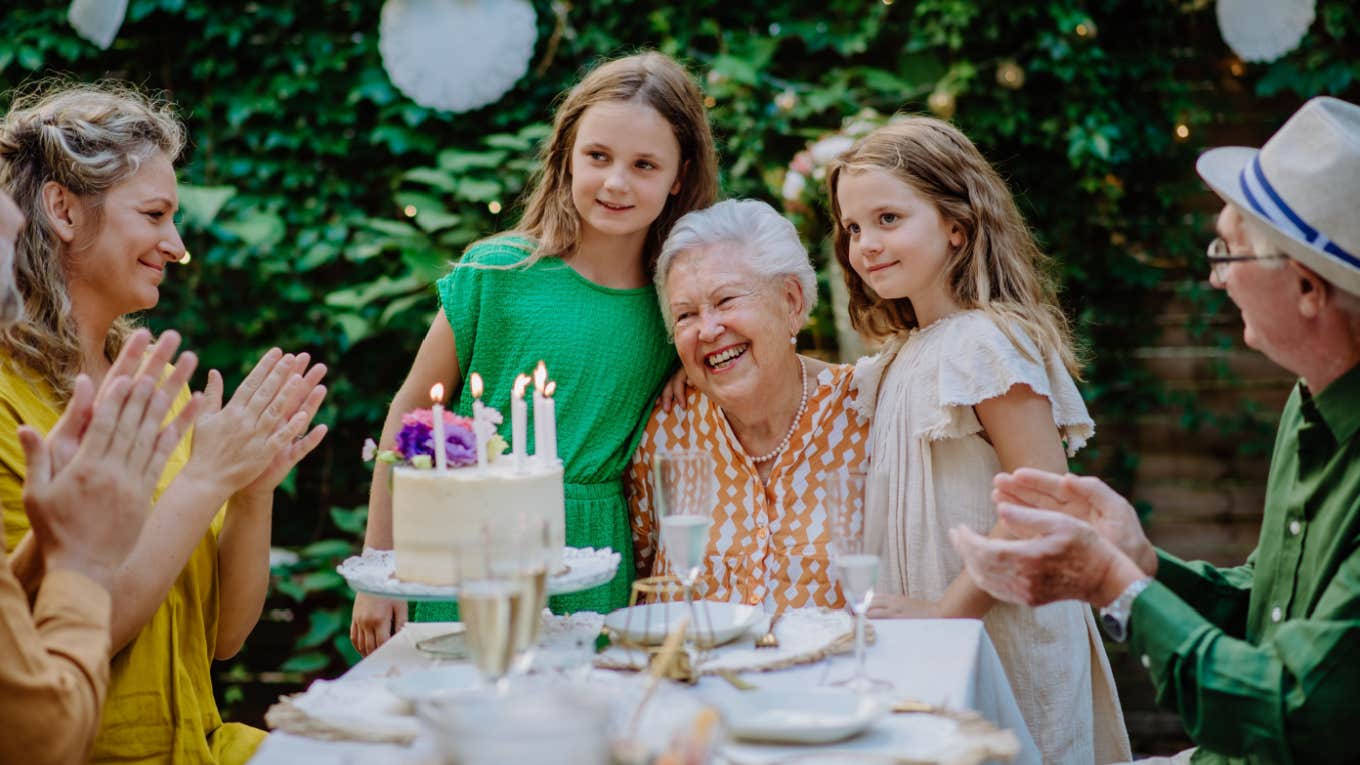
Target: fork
(768,640)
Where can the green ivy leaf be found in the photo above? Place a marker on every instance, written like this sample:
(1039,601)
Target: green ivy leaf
(258,229)
(306,663)
(201,204)
(328,548)
(323,625)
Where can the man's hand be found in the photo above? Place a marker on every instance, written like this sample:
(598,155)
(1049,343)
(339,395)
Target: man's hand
(1086,499)
(1056,557)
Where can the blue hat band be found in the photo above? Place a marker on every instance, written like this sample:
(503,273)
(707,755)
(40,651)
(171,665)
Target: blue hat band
(1270,205)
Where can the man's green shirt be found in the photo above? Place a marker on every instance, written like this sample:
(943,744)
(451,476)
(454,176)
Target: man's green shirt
(1262,661)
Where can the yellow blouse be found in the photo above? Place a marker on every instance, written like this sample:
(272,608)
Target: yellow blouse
(160,705)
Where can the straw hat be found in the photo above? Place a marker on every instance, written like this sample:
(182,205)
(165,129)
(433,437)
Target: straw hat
(1303,186)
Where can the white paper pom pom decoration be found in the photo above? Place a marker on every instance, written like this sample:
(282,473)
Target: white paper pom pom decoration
(1264,30)
(456,55)
(97,20)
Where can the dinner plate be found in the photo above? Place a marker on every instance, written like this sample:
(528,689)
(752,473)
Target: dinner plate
(716,621)
(814,716)
(419,685)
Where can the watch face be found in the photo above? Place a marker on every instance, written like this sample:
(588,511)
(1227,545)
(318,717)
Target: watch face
(1114,627)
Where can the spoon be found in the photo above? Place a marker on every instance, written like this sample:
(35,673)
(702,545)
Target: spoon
(768,640)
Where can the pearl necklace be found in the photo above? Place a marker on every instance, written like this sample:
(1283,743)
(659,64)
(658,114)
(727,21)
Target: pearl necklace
(802,407)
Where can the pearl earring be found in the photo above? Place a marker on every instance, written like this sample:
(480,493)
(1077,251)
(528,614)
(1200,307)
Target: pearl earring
(793,340)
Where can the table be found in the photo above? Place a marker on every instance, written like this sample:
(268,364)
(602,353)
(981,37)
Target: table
(950,662)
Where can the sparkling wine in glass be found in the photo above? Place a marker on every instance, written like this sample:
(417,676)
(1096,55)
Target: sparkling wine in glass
(495,599)
(488,609)
(685,490)
(855,563)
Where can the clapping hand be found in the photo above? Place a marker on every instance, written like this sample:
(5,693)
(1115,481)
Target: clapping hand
(250,443)
(89,483)
(1084,498)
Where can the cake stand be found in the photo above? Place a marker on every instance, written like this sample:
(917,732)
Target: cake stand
(374,573)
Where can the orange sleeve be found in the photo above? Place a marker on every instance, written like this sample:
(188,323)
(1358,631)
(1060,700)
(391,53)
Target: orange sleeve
(54,667)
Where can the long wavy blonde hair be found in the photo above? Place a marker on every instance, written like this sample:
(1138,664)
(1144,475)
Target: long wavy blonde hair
(550,218)
(998,269)
(88,138)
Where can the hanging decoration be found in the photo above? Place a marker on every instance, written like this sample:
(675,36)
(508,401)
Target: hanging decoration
(97,20)
(1264,30)
(456,55)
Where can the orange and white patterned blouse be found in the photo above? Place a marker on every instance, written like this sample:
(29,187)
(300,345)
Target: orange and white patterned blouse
(769,544)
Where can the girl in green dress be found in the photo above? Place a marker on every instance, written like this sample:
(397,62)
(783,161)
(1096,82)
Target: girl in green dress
(630,153)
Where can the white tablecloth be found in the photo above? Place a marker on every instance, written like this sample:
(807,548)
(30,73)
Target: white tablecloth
(947,662)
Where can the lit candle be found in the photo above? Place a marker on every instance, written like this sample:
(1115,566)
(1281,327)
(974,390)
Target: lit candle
(479,424)
(540,379)
(550,422)
(519,416)
(437,416)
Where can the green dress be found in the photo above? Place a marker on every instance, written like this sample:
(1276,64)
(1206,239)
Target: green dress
(609,353)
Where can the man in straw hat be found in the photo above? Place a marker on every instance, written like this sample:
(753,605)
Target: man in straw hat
(1262,661)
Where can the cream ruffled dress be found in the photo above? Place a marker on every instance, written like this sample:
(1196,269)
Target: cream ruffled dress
(926,439)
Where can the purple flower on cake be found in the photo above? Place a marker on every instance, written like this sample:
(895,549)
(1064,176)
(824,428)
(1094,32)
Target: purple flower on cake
(415,441)
(416,437)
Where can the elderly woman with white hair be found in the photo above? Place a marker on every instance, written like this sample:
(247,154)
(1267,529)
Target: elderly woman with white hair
(735,287)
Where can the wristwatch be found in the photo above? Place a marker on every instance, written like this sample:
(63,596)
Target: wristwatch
(1115,616)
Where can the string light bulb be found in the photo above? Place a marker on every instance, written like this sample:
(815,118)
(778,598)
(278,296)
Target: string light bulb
(1182,131)
(494,207)
(942,103)
(786,101)
(1085,29)
(1010,74)
(1237,67)
(410,211)
(185,258)
(710,102)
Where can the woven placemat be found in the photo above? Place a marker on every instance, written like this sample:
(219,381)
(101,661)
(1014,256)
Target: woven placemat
(806,636)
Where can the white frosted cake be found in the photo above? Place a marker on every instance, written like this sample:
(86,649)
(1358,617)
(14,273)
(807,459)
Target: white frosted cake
(434,511)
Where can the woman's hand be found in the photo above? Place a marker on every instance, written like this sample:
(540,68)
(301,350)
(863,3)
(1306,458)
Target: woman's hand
(673,393)
(902,607)
(236,444)
(375,621)
(300,446)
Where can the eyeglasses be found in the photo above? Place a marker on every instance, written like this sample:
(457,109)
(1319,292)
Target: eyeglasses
(1219,258)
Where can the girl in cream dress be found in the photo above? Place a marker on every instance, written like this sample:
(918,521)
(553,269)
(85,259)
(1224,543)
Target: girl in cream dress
(975,378)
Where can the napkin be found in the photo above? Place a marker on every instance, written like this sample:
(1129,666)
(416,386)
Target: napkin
(346,710)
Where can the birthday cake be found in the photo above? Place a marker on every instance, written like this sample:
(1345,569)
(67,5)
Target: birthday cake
(453,489)
(437,512)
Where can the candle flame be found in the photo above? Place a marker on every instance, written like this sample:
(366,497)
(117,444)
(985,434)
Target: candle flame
(550,389)
(476,382)
(540,376)
(521,382)
(437,393)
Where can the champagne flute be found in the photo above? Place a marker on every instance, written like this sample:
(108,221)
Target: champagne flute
(855,562)
(530,570)
(489,600)
(685,492)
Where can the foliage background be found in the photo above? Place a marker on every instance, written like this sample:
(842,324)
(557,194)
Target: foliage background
(305,159)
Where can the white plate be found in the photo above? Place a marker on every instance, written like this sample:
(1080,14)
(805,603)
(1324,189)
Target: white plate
(374,573)
(424,684)
(716,621)
(814,716)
